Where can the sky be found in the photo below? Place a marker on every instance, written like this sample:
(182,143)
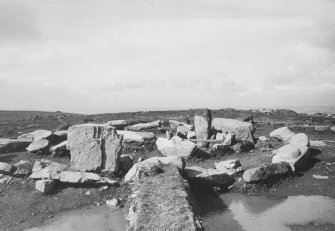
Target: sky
(103,56)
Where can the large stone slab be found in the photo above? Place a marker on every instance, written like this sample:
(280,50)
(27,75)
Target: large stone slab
(6,168)
(203,125)
(284,134)
(94,147)
(59,149)
(46,169)
(40,145)
(266,172)
(145,126)
(45,186)
(12,145)
(36,135)
(209,176)
(78,177)
(299,140)
(229,167)
(118,124)
(175,147)
(322,128)
(139,137)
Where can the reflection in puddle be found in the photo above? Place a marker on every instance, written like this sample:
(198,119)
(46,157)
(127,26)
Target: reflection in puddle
(248,213)
(93,219)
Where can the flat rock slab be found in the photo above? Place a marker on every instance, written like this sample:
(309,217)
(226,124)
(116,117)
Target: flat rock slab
(94,147)
(208,176)
(138,137)
(45,169)
(36,135)
(318,143)
(45,186)
(78,177)
(322,128)
(13,145)
(145,126)
(162,202)
(38,146)
(229,167)
(175,147)
(284,134)
(266,172)
(118,124)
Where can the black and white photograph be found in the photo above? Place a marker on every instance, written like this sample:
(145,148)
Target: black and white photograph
(167,115)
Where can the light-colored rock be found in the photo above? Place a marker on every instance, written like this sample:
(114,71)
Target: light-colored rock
(12,145)
(118,124)
(38,146)
(5,179)
(318,143)
(6,168)
(21,172)
(319,177)
(94,147)
(203,125)
(182,131)
(220,136)
(59,148)
(266,172)
(107,181)
(299,140)
(145,126)
(332,129)
(113,202)
(45,169)
(210,175)
(321,128)
(175,147)
(229,139)
(263,138)
(60,135)
(78,177)
(177,123)
(191,135)
(169,135)
(144,165)
(283,133)
(45,186)
(139,137)
(286,153)
(36,135)
(26,137)
(229,167)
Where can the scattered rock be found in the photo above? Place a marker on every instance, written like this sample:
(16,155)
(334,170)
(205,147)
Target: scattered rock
(283,133)
(45,169)
(191,135)
(38,146)
(220,136)
(139,168)
(263,138)
(319,177)
(211,176)
(175,147)
(113,202)
(6,168)
(321,128)
(145,126)
(229,138)
(36,135)
(78,177)
(174,123)
(318,143)
(229,167)
(5,179)
(21,172)
(11,145)
(60,136)
(59,149)
(139,137)
(332,129)
(45,186)
(299,140)
(202,125)
(94,147)
(266,172)
(182,131)
(118,124)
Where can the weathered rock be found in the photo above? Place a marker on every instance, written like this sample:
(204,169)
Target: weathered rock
(266,172)
(318,143)
(175,124)
(182,131)
(45,186)
(283,133)
(139,137)
(11,145)
(94,147)
(286,153)
(321,128)
(191,135)
(220,136)
(229,167)
(6,168)
(332,129)
(118,124)
(126,162)
(36,135)
(169,135)
(202,125)
(113,202)
(38,146)
(60,136)
(5,179)
(45,169)
(59,149)
(263,138)
(145,126)
(299,140)
(145,165)
(64,126)
(210,176)
(21,172)
(229,138)
(78,177)
(175,147)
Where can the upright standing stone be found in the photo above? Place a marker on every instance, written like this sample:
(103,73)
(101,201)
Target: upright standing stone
(202,124)
(94,147)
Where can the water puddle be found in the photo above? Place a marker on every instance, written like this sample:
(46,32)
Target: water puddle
(101,218)
(251,213)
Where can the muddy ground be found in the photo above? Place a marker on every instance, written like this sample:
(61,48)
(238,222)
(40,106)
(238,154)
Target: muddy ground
(22,207)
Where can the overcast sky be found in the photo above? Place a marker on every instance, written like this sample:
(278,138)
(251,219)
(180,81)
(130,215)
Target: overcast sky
(108,56)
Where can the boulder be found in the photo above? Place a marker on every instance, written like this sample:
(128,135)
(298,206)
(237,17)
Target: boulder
(207,176)
(175,124)
(6,168)
(137,170)
(202,125)
(299,140)
(229,167)
(220,136)
(182,131)
(286,153)
(191,135)
(321,128)
(94,147)
(266,172)
(45,169)
(118,124)
(283,133)
(145,126)
(78,177)
(139,137)
(175,147)
(12,145)
(38,146)
(318,143)
(59,149)
(36,135)
(45,186)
